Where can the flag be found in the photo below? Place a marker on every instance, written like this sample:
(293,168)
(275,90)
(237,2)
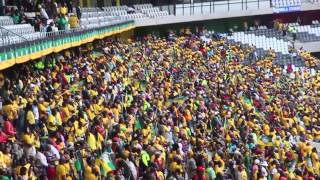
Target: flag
(146,106)
(143,85)
(96,54)
(247,101)
(106,163)
(137,124)
(225,124)
(179,100)
(78,164)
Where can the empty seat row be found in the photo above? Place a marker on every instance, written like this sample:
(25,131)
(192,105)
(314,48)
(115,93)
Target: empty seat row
(115,8)
(311,30)
(158,14)
(259,28)
(6,20)
(98,21)
(315,22)
(150,10)
(18,29)
(293,24)
(133,16)
(261,42)
(142,6)
(16,39)
(90,9)
(283,3)
(93,14)
(117,13)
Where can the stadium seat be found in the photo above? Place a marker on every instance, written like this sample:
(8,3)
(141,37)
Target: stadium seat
(5,20)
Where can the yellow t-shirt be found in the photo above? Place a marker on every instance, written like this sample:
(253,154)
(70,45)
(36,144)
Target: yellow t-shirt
(28,139)
(79,131)
(9,111)
(7,159)
(2,160)
(63,10)
(73,21)
(61,172)
(244,175)
(51,123)
(89,175)
(30,118)
(42,109)
(27,166)
(92,142)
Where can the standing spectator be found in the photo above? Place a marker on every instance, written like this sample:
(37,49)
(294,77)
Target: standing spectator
(37,23)
(63,9)
(2,7)
(62,22)
(51,8)
(284,30)
(200,175)
(69,5)
(73,21)
(16,17)
(78,10)
(294,33)
(245,26)
(43,14)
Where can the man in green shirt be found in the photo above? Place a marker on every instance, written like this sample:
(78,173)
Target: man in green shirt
(16,17)
(62,23)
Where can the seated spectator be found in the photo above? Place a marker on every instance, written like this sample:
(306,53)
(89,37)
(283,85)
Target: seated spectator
(50,27)
(8,127)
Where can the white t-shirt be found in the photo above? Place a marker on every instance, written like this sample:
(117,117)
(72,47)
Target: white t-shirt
(54,151)
(42,159)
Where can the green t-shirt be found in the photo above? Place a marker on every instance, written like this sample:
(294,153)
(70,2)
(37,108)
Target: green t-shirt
(16,19)
(62,23)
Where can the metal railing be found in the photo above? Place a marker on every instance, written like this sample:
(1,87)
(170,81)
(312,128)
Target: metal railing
(15,38)
(198,7)
(48,42)
(213,6)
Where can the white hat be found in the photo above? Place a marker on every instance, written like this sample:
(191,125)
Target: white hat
(257,161)
(264,163)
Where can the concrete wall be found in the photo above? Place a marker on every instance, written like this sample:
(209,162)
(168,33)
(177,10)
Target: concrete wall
(220,11)
(309,46)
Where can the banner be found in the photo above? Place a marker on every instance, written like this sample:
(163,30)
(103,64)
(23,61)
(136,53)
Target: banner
(287,9)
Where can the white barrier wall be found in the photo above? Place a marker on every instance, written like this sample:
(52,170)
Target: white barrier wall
(185,13)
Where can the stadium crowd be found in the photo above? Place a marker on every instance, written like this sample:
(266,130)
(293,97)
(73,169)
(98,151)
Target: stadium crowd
(160,109)
(45,16)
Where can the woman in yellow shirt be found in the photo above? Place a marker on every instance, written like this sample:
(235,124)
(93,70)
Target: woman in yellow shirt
(63,170)
(30,116)
(91,171)
(9,109)
(315,161)
(28,137)
(74,21)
